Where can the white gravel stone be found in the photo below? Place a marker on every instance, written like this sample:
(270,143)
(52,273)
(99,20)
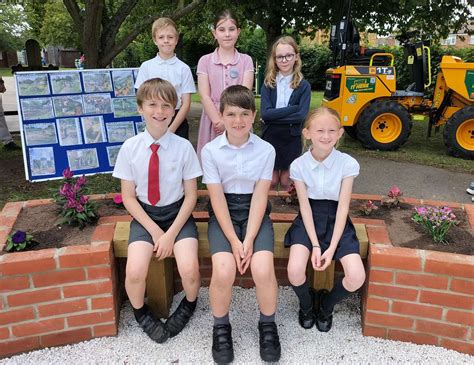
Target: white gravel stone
(344,344)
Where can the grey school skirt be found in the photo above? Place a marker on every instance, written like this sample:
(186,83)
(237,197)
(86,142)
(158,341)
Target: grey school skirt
(239,207)
(164,218)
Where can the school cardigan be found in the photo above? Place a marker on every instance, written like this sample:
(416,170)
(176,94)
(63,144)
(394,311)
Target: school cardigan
(294,114)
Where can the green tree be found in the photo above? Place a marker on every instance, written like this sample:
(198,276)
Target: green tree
(14,29)
(57,27)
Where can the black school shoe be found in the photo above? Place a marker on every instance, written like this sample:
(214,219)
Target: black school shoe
(323,320)
(270,349)
(307,319)
(222,347)
(153,327)
(178,320)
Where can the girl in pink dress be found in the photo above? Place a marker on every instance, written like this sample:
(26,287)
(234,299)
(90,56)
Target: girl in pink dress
(218,70)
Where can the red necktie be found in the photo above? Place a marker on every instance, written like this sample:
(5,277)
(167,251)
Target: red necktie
(154,176)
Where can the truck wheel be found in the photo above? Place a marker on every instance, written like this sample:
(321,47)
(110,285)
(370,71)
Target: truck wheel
(384,125)
(459,133)
(351,131)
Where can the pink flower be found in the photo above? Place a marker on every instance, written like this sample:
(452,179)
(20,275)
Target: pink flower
(79,208)
(64,189)
(394,192)
(118,199)
(84,199)
(81,181)
(67,173)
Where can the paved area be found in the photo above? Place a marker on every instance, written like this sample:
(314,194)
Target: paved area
(376,176)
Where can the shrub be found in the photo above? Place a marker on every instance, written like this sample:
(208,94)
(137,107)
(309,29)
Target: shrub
(19,241)
(436,221)
(368,208)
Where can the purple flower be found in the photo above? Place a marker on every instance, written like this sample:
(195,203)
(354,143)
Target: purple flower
(421,210)
(83,199)
(64,189)
(81,181)
(67,173)
(118,199)
(79,208)
(19,237)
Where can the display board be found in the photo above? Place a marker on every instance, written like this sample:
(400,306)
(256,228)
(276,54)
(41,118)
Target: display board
(75,118)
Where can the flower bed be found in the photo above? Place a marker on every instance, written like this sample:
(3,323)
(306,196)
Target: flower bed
(58,296)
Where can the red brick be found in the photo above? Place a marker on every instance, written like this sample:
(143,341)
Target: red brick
(99,272)
(389,320)
(450,264)
(66,337)
(27,262)
(38,202)
(377,304)
(85,290)
(447,299)
(1,302)
(378,234)
(201,216)
(395,257)
(374,331)
(96,196)
(14,283)
(366,196)
(462,286)
(466,347)
(4,333)
(102,303)
(91,318)
(84,255)
(282,217)
(423,281)
(442,329)
(105,330)
(114,219)
(38,327)
(7,221)
(369,222)
(417,310)
(63,307)
(16,346)
(17,315)
(379,276)
(389,291)
(4,232)
(414,337)
(12,209)
(103,233)
(460,317)
(35,296)
(58,277)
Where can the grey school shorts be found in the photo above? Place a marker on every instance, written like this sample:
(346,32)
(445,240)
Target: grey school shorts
(239,207)
(164,217)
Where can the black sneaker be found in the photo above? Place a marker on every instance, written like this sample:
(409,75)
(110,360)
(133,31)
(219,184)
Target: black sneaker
(11,146)
(153,327)
(306,319)
(178,320)
(222,347)
(323,320)
(270,349)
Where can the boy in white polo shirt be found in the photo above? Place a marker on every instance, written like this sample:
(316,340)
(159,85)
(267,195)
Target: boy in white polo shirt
(158,172)
(168,67)
(238,169)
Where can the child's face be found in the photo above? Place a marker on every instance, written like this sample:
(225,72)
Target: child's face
(226,33)
(285,58)
(157,113)
(324,132)
(166,40)
(237,122)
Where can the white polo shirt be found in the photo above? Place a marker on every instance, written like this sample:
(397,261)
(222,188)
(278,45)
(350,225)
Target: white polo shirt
(237,168)
(284,90)
(178,162)
(323,179)
(173,70)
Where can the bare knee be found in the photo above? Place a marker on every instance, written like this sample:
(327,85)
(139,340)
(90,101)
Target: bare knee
(222,275)
(190,272)
(263,275)
(354,280)
(135,275)
(296,274)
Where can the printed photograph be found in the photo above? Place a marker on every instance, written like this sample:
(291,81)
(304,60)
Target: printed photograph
(93,129)
(36,108)
(83,159)
(112,153)
(125,107)
(140,126)
(42,161)
(69,131)
(97,104)
(120,131)
(66,83)
(123,83)
(40,133)
(96,81)
(33,84)
(68,105)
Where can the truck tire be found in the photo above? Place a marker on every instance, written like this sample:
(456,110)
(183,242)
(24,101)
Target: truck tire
(459,133)
(351,131)
(384,125)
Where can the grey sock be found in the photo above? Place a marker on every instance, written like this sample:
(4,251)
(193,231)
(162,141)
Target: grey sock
(221,320)
(265,318)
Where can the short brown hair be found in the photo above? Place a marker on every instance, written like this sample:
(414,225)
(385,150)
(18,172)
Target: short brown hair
(237,95)
(157,89)
(161,23)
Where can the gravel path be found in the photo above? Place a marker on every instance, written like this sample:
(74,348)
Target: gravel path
(343,344)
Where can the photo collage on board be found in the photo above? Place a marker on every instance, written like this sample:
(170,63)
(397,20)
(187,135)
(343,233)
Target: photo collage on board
(76,118)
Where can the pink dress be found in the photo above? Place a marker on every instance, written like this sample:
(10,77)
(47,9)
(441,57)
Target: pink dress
(220,77)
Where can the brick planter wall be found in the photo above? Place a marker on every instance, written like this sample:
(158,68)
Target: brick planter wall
(59,296)
(419,296)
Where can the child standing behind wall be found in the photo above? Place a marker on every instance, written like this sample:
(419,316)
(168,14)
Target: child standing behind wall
(217,71)
(285,103)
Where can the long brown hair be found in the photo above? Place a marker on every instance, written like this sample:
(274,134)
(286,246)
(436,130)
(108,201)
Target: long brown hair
(272,68)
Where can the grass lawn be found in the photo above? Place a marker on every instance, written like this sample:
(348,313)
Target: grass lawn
(5,72)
